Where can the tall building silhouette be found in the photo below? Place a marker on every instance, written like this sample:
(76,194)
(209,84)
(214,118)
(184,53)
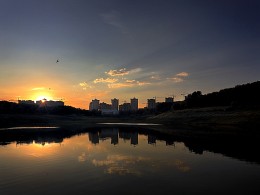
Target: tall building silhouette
(94,105)
(115,103)
(169,99)
(125,107)
(151,104)
(134,104)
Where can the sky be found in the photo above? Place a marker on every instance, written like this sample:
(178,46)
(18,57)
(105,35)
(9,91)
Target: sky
(126,48)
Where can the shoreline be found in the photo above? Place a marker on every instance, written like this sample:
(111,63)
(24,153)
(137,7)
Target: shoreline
(215,119)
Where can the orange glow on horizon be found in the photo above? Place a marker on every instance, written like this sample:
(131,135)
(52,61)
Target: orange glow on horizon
(41,95)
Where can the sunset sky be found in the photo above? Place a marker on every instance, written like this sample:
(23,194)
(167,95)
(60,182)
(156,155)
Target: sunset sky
(126,48)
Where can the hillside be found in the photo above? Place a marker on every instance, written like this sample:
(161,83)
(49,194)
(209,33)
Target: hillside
(210,118)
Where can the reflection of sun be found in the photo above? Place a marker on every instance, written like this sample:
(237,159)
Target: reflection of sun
(39,149)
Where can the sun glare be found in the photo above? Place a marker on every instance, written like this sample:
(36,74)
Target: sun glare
(42,97)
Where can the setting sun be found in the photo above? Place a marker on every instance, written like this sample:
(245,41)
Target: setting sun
(42,97)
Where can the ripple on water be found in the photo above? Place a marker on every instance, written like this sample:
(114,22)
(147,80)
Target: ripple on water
(131,124)
(20,128)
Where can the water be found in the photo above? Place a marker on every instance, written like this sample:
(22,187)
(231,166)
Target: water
(123,161)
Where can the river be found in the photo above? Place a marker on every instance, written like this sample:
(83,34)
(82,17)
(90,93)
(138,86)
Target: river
(120,160)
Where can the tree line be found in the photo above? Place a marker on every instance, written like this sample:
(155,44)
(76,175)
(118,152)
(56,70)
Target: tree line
(246,96)
(240,96)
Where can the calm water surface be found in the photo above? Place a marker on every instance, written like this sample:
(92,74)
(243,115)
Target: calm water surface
(119,161)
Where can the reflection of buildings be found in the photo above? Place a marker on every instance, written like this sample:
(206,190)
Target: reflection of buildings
(40,140)
(109,133)
(93,137)
(104,134)
(114,135)
(132,136)
(127,135)
(151,139)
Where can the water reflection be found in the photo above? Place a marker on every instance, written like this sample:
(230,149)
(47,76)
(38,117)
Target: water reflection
(108,160)
(235,145)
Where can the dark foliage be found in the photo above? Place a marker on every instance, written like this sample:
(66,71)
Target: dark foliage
(14,108)
(164,107)
(241,96)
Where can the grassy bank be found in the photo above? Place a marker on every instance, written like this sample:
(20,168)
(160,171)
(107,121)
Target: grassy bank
(203,119)
(210,118)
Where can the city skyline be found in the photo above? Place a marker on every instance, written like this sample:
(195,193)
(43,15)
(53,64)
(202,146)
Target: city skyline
(76,51)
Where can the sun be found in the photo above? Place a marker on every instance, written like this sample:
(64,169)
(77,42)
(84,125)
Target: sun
(42,96)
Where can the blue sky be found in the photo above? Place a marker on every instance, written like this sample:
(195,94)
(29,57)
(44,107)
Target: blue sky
(125,49)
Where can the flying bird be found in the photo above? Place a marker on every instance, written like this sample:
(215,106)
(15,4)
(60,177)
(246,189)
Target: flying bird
(57,61)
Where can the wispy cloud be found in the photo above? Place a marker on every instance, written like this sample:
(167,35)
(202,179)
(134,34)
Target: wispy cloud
(176,79)
(142,83)
(123,72)
(128,83)
(38,88)
(155,77)
(85,85)
(113,18)
(182,74)
(119,85)
(135,70)
(107,80)
(120,72)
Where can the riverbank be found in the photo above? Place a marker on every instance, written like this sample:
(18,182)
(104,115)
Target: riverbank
(217,119)
(232,133)
(214,118)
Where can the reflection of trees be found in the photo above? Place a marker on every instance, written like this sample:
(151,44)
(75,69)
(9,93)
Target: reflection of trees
(243,147)
(40,136)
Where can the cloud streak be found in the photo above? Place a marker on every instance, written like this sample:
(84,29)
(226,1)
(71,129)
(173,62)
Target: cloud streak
(113,18)
(38,88)
(120,72)
(123,72)
(107,80)
(182,74)
(128,83)
(178,78)
(85,85)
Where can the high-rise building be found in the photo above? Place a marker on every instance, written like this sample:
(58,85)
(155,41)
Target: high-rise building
(94,105)
(115,103)
(104,106)
(151,104)
(134,104)
(169,99)
(125,107)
